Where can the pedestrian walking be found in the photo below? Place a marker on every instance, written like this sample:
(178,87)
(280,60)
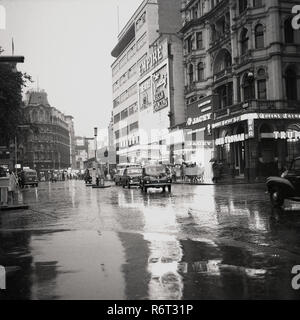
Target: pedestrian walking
(12,187)
(216,172)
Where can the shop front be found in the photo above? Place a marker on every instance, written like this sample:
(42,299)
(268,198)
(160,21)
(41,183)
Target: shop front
(198,138)
(253,146)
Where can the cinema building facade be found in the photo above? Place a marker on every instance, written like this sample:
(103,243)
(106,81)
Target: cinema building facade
(244,57)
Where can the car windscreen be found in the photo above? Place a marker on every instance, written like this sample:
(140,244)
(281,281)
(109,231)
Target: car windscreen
(155,171)
(134,171)
(30,174)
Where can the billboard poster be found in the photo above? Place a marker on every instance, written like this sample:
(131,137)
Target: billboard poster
(160,89)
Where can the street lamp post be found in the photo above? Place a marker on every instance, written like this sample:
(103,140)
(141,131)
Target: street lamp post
(95,135)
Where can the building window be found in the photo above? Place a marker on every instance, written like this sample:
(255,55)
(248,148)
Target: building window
(191,74)
(257,3)
(124,114)
(259,37)
(289,31)
(189,44)
(291,84)
(195,12)
(199,40)
(244,41)
(141,42)
(200,71)
(262,89)
(243,4)
(248,86)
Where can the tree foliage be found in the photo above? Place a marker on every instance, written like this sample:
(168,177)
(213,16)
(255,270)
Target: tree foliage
(12,83)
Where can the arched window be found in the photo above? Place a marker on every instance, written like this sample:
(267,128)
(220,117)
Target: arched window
(259,37)
(200,71)
(244,41)
(291,84)
(289,34)
(34,116)
(191,74)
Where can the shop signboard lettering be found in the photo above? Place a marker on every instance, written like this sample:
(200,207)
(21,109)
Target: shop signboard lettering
(160,89)
(231,139)
(200,143)
(151,61)
(250,128)
(200,119)
(278,116)
(289,135)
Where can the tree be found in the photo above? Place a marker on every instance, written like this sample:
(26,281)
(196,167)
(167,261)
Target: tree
(12,83)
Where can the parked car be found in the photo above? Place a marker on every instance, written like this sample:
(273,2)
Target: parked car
(155,176)
(285,187)
(131,177)
(28,178)
(118,176)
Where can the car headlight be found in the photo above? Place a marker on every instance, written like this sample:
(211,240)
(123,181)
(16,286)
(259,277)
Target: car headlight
(147,181)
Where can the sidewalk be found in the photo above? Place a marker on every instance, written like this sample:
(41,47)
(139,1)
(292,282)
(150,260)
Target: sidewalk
(224,181)
(17,204)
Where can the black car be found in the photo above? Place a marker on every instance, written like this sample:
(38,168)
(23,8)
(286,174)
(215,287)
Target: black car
(131,177)
(285,187)
(155,176)
(118,176)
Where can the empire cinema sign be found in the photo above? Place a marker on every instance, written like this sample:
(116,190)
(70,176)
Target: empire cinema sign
(152,60)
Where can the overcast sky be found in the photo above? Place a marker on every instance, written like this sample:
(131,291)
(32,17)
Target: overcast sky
(67,45)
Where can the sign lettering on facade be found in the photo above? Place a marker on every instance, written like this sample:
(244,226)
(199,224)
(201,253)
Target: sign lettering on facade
(231,139)
(200,119)
(289,135)
(152,60)
(250,128)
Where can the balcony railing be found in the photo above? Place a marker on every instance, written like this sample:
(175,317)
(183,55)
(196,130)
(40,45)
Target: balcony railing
(224,73)
(259,106)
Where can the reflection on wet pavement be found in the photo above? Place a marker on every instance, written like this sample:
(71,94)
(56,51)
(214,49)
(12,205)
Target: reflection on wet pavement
(199,242)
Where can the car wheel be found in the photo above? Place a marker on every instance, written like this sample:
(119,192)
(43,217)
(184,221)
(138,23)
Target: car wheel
(128,185)
(146,189)
(277,198)
(169,188)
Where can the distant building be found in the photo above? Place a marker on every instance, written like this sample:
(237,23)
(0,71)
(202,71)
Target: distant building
(70,121)
(46,137)
(84,148)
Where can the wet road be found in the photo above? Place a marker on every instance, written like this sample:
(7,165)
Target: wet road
(199,242)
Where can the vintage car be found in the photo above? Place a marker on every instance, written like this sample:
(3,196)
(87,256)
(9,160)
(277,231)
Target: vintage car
(118,176)
(155,176)
(131,177)
(285,187)
(28,178)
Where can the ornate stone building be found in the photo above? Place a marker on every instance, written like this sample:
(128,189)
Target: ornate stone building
(243,56)
(46,143)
